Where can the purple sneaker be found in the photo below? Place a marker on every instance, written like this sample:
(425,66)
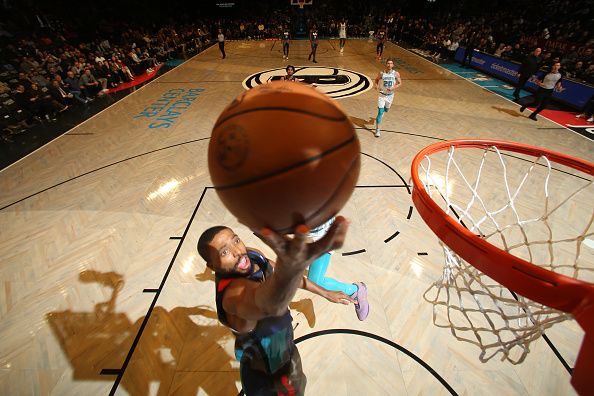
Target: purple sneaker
(362,305)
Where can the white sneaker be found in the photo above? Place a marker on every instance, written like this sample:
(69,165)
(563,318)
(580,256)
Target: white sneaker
(591,119)
(579,116)
(341,50)
(377,132)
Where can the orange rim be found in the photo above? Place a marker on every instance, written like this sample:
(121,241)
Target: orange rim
(531,281)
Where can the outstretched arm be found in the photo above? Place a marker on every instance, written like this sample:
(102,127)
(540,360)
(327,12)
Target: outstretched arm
(246,302)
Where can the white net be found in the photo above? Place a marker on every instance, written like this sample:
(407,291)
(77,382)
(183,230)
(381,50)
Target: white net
(523,206)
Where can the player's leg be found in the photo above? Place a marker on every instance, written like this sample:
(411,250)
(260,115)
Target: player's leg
(255,382)
(531,100)
(292,380)
(381,103)
(542,103)
(317,274)
(521,83)
(357,290)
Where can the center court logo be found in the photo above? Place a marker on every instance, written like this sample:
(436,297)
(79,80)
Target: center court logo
(334,82)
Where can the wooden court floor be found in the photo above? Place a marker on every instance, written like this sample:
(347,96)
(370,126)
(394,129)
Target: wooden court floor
(103,290)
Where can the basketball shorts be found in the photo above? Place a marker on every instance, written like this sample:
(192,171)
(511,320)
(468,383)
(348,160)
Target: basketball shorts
(385,101)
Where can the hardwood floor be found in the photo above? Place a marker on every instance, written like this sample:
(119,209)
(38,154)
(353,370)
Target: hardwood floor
(103,289)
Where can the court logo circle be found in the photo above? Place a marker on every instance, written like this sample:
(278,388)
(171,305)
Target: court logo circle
(333,81)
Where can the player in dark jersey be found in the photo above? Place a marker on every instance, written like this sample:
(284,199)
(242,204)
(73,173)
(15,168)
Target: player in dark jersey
(290,69)
(313,39)
(252,299)
(286,38)
(381,38)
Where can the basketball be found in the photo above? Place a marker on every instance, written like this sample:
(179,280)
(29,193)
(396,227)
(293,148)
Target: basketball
(283,154)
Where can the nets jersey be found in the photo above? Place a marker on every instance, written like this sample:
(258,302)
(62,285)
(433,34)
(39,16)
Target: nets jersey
(388,81)
(314,37)
(269,346)
(286,36)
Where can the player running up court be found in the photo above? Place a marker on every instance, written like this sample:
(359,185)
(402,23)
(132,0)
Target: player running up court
(286,40)
(313,39)
(381,38)
(386,82)
(342,35)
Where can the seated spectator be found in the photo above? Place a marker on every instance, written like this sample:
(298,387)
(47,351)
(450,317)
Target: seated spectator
(48,60)
(588,75)
(54,71)
(76,68)
(40,80)
(28,64)
(31,102)
(508,52)
(123,70)
(60,95)
(99,57)
(136,64)
(576,70)
(104,75)
(73,86)
(586,57)
(145,57)
(89,83)
(24,80)
(45,101)
(499,50)
(570,58)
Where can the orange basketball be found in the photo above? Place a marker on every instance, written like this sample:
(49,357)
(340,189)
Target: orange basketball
(283,154)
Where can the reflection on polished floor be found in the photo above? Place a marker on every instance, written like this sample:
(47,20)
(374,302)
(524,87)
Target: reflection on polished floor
(103,289)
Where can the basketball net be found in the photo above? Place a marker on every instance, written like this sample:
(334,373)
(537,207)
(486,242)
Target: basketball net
(527,221)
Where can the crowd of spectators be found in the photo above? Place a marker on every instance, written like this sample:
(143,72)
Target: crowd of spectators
(46,74)
(512,34)
(52,69)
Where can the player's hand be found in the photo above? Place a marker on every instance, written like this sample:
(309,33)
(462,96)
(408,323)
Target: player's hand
(296,252)
(338,297)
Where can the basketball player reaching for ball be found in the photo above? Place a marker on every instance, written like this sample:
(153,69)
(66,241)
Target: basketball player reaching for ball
(386,82)
(317,274)
(286,40)
(252,298)
(342,35)
(313,39)
(381,38)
